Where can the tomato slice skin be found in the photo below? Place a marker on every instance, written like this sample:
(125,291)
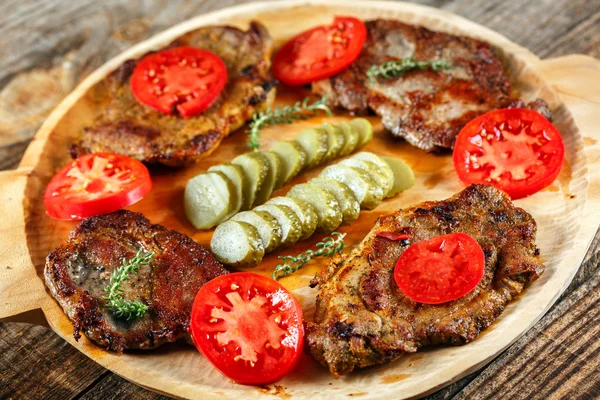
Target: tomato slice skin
(515,149)
(320,52)
(248,326)
(440,269)
(95,184)
(186,79)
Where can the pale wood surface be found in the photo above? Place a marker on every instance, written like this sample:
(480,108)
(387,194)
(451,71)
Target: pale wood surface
(59,43)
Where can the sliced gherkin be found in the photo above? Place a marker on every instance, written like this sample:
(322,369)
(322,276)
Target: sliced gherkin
(327,207)
(404,178)
(238,244)
(335,140)
(293,159)
(368,194)
(342,193)
(381,163)
(306,212)
(364,129)
(351,138)
(208,199)
(267,226)
(378,176)
(256,168)
(314,142)
(235,173)
(291,226)
(276,168)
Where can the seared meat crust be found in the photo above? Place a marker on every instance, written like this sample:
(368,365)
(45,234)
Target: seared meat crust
(362,318)
(78,271)
(130,128)
(426,108)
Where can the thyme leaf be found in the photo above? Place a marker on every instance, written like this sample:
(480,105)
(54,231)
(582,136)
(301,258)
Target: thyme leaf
(119,306)
(326,248)
(283,115)
(396,68)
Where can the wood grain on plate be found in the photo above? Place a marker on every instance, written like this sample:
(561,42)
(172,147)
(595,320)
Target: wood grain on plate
(558,211)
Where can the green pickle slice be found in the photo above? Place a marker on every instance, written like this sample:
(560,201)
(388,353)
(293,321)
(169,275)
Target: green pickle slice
(235,173)
(208,198)
(267,226)
(342,193)
(293,159)
(238,244)
(291,226)
(404,177)
(368,194)
(315,144)
(364,129)
(307,213)
(335,140)
(328,209)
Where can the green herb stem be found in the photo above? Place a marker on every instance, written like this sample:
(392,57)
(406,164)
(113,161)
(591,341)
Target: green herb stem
(283,115)
(396,68)
(326,248)
(120,307)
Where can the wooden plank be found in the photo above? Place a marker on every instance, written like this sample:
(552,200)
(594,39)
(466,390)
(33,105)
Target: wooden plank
(117,388)
(38,364)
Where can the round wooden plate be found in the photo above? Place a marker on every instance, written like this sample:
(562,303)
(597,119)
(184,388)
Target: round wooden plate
(566,212)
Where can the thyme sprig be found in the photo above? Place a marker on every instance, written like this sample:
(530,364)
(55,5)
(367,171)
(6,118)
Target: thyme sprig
(283,115)
(119,306)
(396,68)
(326,248)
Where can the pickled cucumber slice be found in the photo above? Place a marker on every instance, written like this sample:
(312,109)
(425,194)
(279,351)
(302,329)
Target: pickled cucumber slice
(372,169)
(255,168)
(404,178)
(275,163)
(375,159)
(315,144)
(238,244)
(265,188)
(328,209)
(342,193)
(335,140)
(351,140)
(368,194)
(364,129)
(207,199)
(235,173)
(267,226)
(304,211)
(291,226)
(293,159)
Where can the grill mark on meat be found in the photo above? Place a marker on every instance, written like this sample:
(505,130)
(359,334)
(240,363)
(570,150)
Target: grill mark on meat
(362,318)
(427,108)
(78,271)
(133,129)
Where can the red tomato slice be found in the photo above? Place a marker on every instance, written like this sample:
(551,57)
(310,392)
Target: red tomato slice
(96,184)
(320,52)
(188,79)
(441,269)
(248,326)
(515,149)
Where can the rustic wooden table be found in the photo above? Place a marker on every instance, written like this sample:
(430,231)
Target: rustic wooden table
(48,46)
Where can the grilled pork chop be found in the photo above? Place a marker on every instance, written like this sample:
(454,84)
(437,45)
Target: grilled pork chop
(131,128)
(425,107)
(362,318)
(78,271)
